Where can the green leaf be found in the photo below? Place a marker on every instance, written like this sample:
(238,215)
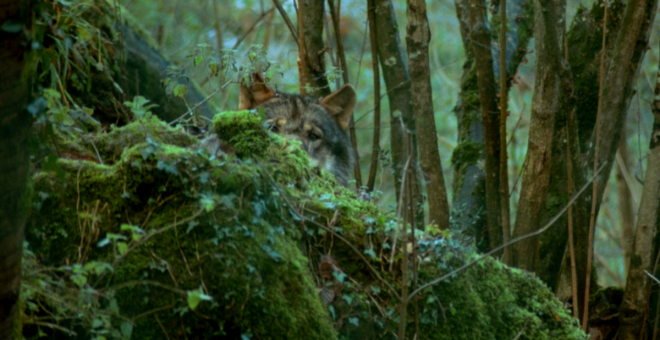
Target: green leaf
(180,90)
(197,296)
(98,267)
(207,201)
(127,329)
(170,168)
(122,247)
(198,60)
(78,279)
(97,323)
(370,252)
(215,68)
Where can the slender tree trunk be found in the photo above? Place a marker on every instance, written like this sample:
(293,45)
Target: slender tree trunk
(397,81)
(312,35)
(417,39)
(480,36)
(635,297)
(14,168)
(545,103)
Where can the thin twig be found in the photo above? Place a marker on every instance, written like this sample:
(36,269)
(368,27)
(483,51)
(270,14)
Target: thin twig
(288,22)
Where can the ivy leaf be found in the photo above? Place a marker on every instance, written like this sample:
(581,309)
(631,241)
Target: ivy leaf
(207,201)
(271,252)
(170,168)
(98,267)
(97,323)
(126,329)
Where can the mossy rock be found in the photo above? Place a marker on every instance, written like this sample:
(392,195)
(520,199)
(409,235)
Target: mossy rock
(247,242)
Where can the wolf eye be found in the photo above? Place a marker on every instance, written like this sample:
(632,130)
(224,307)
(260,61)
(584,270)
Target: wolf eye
(313,137)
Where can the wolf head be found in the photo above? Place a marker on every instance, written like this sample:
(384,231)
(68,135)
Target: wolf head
(319,124)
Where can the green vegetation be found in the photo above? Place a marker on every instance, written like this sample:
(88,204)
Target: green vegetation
(163,239)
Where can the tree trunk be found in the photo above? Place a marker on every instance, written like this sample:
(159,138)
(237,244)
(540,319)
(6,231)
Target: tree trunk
(622,70)
(635,297)
(584,39)
(312,36)
(480,36)
(469,205)
(417,39)
(397,80)
(545,103)
(14,168)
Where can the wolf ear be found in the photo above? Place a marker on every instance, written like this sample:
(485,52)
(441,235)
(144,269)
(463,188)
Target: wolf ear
(340,105)
(257,93)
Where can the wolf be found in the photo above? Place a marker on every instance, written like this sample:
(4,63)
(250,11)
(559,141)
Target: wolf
(320,124)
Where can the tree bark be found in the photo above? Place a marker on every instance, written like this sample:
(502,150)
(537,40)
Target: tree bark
(417,39)
(312,35)
(397,81)
(545,103)
(14,168)
(480,36)
(635,296)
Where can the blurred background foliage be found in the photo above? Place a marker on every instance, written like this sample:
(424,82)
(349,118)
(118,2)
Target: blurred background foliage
(187,30)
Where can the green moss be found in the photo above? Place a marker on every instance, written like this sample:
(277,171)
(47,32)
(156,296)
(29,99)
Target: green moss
(243,131)
(499,303)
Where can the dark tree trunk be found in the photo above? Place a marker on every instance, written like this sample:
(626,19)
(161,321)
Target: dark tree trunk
(397,80)
(417,39)
(481,41)
(14,167)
